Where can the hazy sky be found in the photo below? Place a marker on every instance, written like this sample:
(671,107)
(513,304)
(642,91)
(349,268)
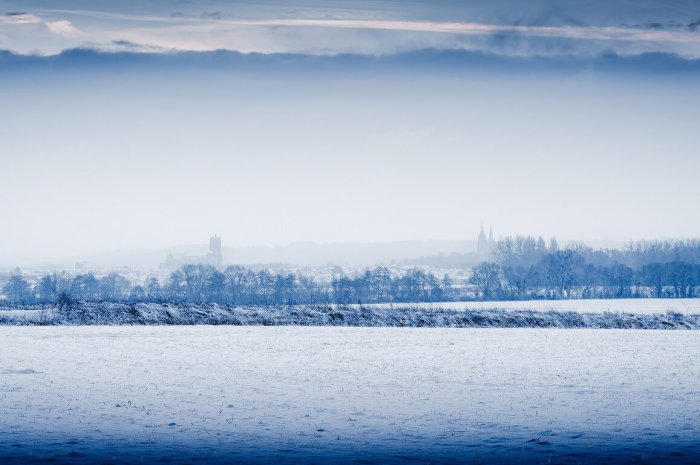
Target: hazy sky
(541,120)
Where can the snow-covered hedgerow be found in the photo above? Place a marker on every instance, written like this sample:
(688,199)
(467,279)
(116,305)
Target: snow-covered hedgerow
(325,315)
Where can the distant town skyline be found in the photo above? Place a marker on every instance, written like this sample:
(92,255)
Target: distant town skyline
(219,253)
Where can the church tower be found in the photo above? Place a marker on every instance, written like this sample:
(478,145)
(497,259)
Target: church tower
(215,257)
(485,244)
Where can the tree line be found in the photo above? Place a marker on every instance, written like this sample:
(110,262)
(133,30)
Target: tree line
(199,284)
(525,267)
(520,268)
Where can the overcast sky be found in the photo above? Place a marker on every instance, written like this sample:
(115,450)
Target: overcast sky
(512,27)
(542,119)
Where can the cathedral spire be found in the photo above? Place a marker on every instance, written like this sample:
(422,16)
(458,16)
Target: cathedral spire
(482,246)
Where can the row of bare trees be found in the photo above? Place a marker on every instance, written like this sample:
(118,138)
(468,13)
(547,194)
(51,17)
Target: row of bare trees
(235,285)
(522,268)
(528,268)
(53,287)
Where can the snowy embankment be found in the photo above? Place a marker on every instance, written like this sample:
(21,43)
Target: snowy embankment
(642,306)
(326,315)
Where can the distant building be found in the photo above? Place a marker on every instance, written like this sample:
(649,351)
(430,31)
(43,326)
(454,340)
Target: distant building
(485,245)
(214,257)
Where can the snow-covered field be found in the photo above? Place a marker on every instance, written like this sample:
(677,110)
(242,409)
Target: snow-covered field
(636,306)
(214,394)
(402,315)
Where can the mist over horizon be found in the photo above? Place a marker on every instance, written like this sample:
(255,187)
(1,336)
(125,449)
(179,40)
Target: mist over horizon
(294,255)
(128,126)
(99,159)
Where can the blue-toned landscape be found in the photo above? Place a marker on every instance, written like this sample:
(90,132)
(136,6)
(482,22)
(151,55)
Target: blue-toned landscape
(349,231)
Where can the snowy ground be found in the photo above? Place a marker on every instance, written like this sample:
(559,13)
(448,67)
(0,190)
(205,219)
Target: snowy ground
(195,394)
(408,315)
(637,306)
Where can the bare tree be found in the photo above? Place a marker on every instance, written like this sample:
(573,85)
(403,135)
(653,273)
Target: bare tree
(17,289)
(486,276)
